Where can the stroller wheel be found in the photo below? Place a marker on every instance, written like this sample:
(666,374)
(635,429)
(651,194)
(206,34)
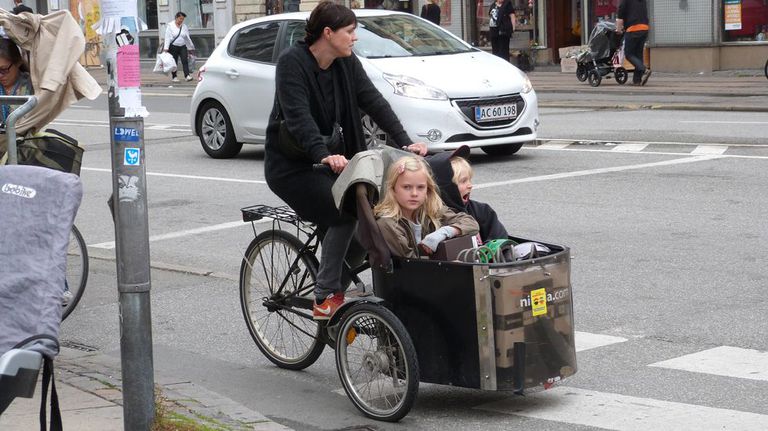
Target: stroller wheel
(594,78)
(621,75)
(581,72)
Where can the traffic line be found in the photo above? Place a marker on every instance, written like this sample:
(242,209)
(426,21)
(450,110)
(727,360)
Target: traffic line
(553,145)
(723,122)
(723,361)
(182,233)
(190,177)
(587,340)
(630,147)
(710,149)
(598,171)
(624,413)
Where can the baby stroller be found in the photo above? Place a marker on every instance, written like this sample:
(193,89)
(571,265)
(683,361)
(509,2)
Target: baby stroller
(604,57)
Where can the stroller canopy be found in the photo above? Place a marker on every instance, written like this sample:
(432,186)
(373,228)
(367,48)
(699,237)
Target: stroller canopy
(603,40)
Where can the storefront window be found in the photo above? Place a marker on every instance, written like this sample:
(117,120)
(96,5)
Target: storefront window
(199,13)
(148,13)
(745,21)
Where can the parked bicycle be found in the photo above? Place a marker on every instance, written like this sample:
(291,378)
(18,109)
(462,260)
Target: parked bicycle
(77,272)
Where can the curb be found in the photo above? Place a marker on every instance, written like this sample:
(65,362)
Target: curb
(99,375)
(656,106)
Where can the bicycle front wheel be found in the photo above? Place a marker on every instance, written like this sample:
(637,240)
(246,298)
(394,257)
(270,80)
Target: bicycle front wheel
(77,271)
(277,284)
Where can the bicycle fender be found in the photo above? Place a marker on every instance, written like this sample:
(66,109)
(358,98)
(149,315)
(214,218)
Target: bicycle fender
(351,302)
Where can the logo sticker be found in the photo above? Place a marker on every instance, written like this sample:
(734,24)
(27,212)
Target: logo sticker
(539,301)
(126,134)
(132,157)
(20,191)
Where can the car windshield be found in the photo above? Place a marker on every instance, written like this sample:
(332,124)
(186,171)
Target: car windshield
(403,36)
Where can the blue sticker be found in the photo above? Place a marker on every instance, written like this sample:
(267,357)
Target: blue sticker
(132,156)
(126,134)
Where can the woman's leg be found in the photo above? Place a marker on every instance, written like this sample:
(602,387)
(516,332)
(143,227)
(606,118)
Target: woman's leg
(493,34)
(184,54)
(174,51)
(335,245)
(633,50)
(504,46)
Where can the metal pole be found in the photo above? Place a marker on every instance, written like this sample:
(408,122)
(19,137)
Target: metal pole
(129,209)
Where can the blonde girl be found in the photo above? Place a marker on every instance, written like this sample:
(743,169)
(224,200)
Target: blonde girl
(412,217)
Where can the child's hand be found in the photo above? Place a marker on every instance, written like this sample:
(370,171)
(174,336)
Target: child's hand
(432,240)
(426,250)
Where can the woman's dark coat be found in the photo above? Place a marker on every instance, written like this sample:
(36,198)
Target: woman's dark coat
(299,100)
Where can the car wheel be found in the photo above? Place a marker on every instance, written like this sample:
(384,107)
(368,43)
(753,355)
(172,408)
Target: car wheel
(216,133)
(374,135)
(502,150)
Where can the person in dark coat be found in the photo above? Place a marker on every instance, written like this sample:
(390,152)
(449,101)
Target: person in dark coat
(455,191)
(501,26)
(431,11)
(321,89)
(21,7)
(633,22)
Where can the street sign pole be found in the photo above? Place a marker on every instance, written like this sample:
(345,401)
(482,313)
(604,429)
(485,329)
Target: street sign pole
(129,210)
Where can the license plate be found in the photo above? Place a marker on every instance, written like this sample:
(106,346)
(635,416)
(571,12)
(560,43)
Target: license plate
(495,112)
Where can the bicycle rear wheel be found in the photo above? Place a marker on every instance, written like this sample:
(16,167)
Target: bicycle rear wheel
(77,271)
(276,295)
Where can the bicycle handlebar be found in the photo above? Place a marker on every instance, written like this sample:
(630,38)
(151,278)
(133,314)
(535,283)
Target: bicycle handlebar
(27,104)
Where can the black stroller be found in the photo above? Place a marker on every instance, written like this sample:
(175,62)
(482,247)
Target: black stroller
(604,57)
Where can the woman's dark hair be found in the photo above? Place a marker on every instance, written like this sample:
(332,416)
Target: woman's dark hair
(11,52)
(327,14)
(178,14)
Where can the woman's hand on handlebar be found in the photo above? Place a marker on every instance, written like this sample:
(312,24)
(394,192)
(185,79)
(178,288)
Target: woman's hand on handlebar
(336,162)
(419,148)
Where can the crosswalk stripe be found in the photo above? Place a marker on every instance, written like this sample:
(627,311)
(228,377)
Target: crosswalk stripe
(630,147)
(723,361)
(554,145)
(710,149)
(624,413)
(586,340)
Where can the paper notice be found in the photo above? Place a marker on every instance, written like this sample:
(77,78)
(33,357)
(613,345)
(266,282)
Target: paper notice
(128,66)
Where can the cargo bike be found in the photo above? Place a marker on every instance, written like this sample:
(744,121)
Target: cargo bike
(490,326)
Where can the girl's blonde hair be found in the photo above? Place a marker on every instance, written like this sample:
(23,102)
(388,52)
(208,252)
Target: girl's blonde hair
(460,166)
(429,211)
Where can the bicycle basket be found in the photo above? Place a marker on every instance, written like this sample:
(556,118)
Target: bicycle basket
(51,149)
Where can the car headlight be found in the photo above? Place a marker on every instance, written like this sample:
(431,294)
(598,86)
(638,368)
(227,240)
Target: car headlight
(412,87)
(527,86)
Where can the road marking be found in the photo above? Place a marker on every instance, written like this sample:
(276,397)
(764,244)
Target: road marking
(630,147)
(723,361)
(554,145)
(722,122)
(604,141)
(598,171)
(182,233)
(624,413)
(710,149)
(587,340)
(191,177)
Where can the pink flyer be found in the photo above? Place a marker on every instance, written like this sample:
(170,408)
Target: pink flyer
(128,66)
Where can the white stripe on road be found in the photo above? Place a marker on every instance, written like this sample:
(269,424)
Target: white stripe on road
(723,361)
(710,149)
(722,122)
(553,145)
(597,171)
(587,340)
(182,233)
(624,413)
(190,177)
(630,147)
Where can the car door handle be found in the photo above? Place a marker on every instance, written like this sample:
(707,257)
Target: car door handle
(232,73)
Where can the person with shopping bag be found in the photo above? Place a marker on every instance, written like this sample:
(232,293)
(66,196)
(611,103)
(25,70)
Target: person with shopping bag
(178,43)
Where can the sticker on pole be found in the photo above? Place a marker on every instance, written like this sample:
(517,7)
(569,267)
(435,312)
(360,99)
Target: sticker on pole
(126,134)
(539,301)
(132,157)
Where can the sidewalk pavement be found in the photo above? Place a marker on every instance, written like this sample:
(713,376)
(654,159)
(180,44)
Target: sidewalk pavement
(741,90)
(89,389)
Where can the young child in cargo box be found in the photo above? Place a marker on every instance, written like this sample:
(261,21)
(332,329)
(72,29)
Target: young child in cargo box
(411,216)
(453,176)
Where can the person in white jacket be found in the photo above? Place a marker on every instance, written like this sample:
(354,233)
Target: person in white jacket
(178,43)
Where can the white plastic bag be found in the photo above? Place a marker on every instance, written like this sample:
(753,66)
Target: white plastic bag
(164,63)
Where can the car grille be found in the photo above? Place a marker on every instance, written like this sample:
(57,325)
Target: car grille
(467,107)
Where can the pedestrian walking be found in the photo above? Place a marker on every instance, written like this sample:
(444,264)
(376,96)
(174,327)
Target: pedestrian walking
(431,11)
(21,7)
(633,22)
(502,25)
(179,43)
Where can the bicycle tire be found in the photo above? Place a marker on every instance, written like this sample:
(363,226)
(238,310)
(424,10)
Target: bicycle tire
(765,69)
(261,273)
(77,270)
(385,382)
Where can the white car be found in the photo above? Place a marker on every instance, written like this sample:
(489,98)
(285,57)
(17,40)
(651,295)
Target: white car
(445,92)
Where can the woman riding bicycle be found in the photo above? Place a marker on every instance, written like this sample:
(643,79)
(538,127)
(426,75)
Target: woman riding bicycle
(321,89)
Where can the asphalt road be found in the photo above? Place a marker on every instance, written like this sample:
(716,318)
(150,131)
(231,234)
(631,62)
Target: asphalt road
(667,252)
